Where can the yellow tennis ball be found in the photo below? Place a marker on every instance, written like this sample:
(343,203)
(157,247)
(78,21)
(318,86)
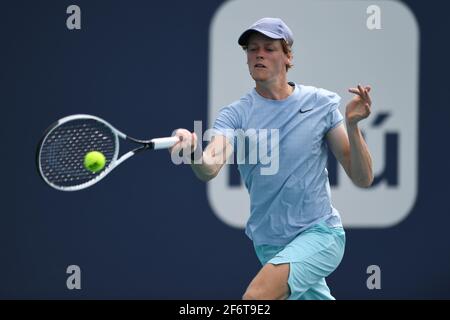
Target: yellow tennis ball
(94,161)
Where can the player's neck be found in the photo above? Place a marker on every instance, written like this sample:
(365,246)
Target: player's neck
(278,90)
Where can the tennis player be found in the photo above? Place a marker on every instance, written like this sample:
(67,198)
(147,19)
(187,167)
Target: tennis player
(297,233)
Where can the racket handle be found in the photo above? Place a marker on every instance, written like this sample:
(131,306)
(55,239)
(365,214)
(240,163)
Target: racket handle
(164,143)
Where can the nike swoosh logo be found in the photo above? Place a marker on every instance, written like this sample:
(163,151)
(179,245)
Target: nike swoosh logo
(304,111)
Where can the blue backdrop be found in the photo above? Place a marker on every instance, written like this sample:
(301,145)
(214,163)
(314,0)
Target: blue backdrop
(147,231)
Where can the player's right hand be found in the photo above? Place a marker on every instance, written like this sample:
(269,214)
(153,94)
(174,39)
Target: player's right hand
(187,143)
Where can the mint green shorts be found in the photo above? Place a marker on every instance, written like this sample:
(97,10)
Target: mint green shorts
(313,255)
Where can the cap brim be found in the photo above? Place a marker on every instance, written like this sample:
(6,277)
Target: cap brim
(243,39)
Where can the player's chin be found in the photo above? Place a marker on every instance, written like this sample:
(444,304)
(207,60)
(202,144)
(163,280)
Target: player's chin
(259,77)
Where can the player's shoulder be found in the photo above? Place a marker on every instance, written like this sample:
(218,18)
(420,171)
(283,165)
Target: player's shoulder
(319,96)
(239,106)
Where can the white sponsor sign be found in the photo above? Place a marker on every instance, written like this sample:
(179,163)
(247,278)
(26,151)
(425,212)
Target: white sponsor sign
(337,44)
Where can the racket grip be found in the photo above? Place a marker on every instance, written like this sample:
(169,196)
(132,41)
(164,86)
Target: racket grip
(164,143)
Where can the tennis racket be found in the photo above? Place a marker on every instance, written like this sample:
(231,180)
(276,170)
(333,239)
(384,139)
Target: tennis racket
(61,151)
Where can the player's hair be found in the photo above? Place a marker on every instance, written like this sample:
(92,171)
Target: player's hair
(286,49)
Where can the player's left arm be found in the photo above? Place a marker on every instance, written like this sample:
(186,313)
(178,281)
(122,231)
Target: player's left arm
(348,145)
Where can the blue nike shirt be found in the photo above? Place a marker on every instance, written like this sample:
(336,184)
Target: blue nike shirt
(292,192)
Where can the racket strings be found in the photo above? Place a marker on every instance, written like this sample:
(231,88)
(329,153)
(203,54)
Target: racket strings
(63,151)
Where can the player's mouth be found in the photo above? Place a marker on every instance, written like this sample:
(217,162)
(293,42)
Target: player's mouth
(259,65)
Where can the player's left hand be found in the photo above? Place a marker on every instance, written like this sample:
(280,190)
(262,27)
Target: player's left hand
(359,107)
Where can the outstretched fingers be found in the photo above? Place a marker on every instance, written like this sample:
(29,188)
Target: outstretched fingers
(363,93)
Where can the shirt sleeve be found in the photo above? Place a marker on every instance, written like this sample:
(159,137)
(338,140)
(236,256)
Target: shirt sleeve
(228,120)
(334,116)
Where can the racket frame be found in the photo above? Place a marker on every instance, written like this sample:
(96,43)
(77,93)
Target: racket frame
(154,144)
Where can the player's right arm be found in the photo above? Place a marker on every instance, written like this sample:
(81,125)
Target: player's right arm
(213,157)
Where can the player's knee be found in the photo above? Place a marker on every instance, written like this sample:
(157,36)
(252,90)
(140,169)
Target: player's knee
(260,293)
(254,293)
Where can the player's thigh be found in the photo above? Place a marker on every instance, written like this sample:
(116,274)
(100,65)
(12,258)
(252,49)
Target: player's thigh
(270,283)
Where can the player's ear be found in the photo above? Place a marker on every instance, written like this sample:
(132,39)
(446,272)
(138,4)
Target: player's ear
(289,58)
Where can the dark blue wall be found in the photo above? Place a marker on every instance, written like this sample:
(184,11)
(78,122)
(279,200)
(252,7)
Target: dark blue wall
(147,231)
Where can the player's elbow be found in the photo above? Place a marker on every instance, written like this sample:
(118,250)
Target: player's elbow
(363,185)
(365,182)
